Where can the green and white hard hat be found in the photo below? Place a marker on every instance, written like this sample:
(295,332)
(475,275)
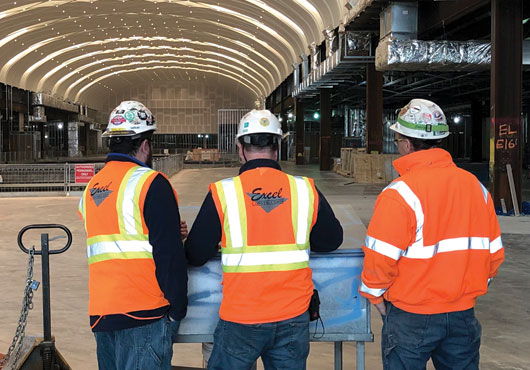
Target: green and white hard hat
(421,119)
(130,118)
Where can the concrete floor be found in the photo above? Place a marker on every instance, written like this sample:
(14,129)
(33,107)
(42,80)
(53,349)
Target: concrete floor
(504,312)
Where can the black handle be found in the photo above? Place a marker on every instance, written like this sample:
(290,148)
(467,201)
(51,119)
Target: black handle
(45,226)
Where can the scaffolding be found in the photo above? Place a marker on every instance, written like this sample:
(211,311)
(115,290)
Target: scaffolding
(228,119)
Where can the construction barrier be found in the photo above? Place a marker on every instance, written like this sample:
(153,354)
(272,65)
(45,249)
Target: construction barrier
(336,276)
(63,178)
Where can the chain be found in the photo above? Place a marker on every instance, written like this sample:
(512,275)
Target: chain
(27,304)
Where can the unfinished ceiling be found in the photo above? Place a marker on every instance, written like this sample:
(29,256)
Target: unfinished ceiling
(85,50)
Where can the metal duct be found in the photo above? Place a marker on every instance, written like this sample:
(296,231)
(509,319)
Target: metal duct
(53,102)
(417,55)
(38,114)
(358,43)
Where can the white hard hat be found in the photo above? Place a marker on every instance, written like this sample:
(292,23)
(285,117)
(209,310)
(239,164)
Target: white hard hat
(421,119)
(130,118)
(259,122)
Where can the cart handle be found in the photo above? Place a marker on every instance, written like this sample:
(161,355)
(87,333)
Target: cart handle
(45,226)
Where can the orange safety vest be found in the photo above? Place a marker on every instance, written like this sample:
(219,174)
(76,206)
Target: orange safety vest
(434,240)
(266,217)
(121,266)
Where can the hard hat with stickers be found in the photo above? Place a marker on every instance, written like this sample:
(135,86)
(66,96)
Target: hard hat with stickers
(259,122)
(130,118)
(421,119)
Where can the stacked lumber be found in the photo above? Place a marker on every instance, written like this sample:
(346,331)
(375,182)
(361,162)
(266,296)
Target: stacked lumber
(367,168)
(210,155)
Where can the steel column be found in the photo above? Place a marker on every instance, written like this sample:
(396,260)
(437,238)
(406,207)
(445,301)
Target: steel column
(505,110)
(374,109)
(283,117)
(476,131)
(86,138)
(299,128)
(325,130)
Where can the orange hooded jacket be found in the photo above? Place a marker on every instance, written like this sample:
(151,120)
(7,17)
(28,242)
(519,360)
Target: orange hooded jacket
(434,241)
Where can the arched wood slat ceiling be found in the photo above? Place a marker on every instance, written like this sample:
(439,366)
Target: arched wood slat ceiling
(84,50)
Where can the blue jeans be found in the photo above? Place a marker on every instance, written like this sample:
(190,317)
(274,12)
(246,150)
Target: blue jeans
(451,339)
(281,345)
(147,347)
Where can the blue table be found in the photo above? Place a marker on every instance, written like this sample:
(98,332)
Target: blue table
(336,275)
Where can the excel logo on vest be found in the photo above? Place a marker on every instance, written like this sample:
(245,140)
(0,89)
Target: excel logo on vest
(100,192)
(266,200)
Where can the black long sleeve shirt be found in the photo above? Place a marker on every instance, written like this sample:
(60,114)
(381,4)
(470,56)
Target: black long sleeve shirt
(206,233)
(162,218)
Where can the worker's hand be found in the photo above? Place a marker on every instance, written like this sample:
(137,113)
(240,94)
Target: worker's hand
(381,308)
(183,230)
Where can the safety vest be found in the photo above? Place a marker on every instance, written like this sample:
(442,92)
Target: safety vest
(266,217)
(120,258)
(434,240)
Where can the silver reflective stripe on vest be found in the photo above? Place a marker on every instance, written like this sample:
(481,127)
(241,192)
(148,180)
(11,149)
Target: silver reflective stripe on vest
(374,292)
(265,258)
(447,245)
(232,211)
(414,203)
(484,192)
(128,204)
(383,248)
(303,210)
(118,247)
(496,245)
(418,250)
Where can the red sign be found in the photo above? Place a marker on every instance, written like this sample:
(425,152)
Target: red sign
(83,173)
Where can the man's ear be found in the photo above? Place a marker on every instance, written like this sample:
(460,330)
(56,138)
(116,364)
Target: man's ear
(144,147)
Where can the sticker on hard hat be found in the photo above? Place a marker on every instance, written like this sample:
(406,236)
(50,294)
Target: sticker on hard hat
(415,109)
(245,124)
(129,116)
(119,111)
(427,117)
(142,115)
(438,116)
(264,122)
(117,120)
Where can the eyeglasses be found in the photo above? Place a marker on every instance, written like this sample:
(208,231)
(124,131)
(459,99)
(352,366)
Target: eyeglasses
(396,141)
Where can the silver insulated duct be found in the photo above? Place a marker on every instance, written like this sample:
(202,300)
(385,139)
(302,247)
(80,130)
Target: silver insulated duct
(417,55)
(399,49)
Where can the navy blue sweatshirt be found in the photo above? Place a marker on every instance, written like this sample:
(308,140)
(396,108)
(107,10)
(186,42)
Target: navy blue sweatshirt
(162,218)
(204,237)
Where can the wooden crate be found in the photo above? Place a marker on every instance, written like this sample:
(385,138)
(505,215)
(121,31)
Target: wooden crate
(374,168)
(210,155)
(346,161)
(362,164)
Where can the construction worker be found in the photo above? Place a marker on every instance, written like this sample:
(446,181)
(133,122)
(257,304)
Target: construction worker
(266,221)
(137,266)
(432,247)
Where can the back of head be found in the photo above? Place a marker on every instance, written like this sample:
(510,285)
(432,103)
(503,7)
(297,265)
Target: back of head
(259,130)
(130,123)
(423,123)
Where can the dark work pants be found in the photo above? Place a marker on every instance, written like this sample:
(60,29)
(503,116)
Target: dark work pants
(409,340)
